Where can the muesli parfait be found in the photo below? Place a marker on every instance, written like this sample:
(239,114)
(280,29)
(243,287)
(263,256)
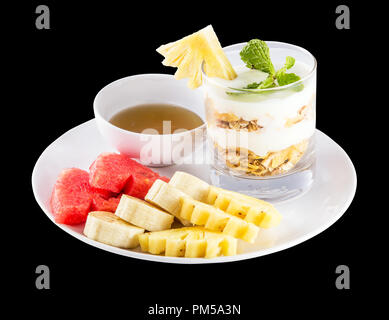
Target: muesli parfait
(261,122)
(259,98)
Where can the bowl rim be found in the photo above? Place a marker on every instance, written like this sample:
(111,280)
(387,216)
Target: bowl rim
(142,75)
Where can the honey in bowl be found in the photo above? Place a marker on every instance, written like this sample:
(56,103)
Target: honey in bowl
(152,116)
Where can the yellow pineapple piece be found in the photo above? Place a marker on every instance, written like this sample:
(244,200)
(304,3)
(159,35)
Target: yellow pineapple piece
(235,227)
(213,248)
(196,245)
(195,248)
(229,212)
(144,242)
(155,242)
(241,229)
(229,246)
(222,201)
(200,215)
(190,242)
(217,220)
(238,208)
(189,53)
(212,194)
(263,214)
(250,233)
(255,216)
(157,245)
(175,248)
(187,208)
(263,218)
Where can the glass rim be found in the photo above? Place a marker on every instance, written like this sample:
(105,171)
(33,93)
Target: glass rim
(307,76)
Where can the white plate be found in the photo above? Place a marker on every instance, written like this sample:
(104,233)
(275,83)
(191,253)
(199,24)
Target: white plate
(303,218)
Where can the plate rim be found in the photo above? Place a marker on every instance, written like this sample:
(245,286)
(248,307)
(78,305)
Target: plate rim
(180,260)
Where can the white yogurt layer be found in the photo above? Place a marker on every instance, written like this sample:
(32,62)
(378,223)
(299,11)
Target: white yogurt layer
(271,110)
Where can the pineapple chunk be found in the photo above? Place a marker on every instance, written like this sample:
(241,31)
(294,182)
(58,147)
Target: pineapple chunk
(200,215)
(213,248)
(256,211)
(265,218)
(259,212)
(157,245)
(195,248)
(241,229)
(175,247)
(217,220)
(238,208)
(189,53)
(222,201)
(190,242)
(212,194)
(186,209)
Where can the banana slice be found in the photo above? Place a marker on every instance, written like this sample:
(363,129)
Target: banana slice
(107,228)
(191,185)
(166,197)
(143,214)
(192,242)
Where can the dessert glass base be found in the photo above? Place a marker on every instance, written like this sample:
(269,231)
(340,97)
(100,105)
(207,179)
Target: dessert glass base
(276,189)
(289,185)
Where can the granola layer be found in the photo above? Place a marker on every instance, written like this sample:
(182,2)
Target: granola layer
(230,121)
(247,162)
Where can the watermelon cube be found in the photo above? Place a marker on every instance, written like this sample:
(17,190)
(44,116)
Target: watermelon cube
(71,198)
(101,204)
(77,192)
(110,171)
(141,180)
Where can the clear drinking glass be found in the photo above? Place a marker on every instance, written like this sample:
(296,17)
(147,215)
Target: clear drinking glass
(262,143)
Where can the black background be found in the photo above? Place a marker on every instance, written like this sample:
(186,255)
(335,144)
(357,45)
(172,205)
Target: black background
(91,45)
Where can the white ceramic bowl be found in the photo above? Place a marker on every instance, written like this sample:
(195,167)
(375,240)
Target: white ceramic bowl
(153,150)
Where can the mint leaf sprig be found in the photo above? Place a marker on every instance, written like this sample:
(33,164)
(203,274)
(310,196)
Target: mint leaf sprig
(256,55)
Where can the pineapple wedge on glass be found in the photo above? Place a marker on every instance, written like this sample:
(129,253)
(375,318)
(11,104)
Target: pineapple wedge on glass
(189,242)
(189,53)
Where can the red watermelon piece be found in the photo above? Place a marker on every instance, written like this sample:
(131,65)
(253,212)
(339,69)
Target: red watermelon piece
(110,171)
(101,204)
(77,192)
(71,198)
(138,186)
(163,178)
(141,180)
(106,194)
